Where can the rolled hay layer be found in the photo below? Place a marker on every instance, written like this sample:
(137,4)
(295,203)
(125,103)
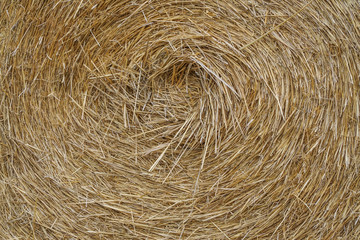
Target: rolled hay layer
(215,119)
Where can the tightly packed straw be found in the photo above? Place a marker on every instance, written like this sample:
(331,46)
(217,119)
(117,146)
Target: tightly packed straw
(180,119)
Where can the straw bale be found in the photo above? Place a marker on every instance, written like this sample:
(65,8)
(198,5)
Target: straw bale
(179,119)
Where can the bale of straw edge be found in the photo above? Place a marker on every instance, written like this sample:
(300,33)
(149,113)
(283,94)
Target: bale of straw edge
(179,119)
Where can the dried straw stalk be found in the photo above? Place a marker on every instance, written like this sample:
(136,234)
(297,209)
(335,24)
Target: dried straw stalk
(215,119)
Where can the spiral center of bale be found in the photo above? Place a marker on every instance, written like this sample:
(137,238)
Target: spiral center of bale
(172,93)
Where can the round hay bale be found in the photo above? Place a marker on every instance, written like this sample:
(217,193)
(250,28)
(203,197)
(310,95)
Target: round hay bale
(215,119)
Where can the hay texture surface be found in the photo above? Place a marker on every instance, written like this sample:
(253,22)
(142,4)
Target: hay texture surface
(211,119)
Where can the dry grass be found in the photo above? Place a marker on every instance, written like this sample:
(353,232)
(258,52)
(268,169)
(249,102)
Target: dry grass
(216,119)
